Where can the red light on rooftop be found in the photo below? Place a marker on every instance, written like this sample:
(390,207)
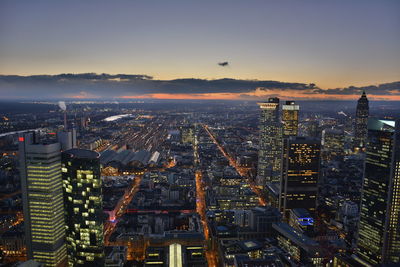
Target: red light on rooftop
(52,133)
(21,139)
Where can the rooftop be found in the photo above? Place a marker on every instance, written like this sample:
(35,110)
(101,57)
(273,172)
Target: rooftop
(381,125)
(82,153)
(294,235)
(300,212)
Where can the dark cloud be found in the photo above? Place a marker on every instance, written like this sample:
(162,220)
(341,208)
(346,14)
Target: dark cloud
(105,85)
(381,89)
(72,77)
(88,85)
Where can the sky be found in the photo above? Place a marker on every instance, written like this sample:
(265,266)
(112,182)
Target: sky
(332,44)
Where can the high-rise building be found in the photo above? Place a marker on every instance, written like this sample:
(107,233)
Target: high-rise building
(300,174)
(290,119)
(40,167)
(332,144)
(83,207)
(360,129)
(379,233)
(270,146)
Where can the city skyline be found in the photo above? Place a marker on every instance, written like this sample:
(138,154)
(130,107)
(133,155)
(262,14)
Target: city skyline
(199,183)
(199,133)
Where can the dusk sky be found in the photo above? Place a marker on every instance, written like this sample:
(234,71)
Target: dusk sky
(333,44)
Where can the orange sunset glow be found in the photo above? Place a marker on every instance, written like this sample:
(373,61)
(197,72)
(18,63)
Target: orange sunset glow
(255,96)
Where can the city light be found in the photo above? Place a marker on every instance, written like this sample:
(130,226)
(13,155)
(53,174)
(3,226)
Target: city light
(200,133)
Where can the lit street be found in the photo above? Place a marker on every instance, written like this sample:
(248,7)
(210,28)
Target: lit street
(211,255)
(241,171)
(120,208)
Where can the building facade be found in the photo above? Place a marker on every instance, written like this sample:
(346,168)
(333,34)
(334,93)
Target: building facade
(290,119)
(270,146)
(360,128)
(261,220)
(379,233)
(83,207)
(42,195)
(332,144)
(300,174)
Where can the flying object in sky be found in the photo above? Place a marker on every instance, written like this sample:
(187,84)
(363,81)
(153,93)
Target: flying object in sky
(223,64)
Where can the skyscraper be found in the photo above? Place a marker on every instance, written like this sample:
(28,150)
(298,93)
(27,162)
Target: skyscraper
(379,233)
(300,174)
(333,144)
(83,207)
(270,146)
(360,129)
(40,165)
(290,119)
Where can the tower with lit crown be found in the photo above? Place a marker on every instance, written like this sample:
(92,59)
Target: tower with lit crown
(360,128)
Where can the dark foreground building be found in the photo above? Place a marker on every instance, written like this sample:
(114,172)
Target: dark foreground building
(83,207)
(379,233)
(300,174)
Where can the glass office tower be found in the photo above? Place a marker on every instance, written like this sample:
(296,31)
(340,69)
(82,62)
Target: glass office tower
(290,119)
(270,146)
(379,236)
(83,207)
(40,166)
(300,174)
